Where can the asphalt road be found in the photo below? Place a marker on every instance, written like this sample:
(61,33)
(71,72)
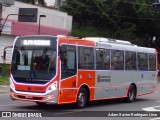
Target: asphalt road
(149,103)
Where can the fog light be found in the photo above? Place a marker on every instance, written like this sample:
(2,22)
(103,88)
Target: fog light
(50,97)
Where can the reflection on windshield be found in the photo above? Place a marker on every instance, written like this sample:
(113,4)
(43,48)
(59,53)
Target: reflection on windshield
(34,64)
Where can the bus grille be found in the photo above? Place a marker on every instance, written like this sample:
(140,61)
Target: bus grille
(29,91)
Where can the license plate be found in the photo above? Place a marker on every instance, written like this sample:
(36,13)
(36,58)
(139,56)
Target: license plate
(29,97)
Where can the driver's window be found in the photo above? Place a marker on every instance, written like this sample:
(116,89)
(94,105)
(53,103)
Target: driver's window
(68,61)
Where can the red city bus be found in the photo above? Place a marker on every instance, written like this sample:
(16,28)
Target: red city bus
(59,70)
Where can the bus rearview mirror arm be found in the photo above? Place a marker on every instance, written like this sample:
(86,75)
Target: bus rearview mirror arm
(4,52)
(4,55)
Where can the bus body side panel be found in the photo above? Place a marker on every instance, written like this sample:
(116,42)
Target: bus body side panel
(120,82)
(113,84)
(102,84)
(87,77)
(147,82)
(69,87)
(68,90)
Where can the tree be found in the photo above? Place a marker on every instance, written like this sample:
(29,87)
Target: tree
(42,2)
(133,20)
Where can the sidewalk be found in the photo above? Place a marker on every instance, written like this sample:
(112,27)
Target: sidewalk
(4,89)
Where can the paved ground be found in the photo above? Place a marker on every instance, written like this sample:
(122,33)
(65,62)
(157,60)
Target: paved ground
(4,89)
(148,102)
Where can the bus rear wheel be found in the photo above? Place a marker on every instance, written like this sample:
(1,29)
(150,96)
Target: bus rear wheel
(131,96)
(82,98)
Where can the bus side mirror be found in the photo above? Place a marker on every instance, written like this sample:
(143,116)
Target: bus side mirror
(4,55)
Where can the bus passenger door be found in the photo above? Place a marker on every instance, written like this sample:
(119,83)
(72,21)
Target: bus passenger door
(67,91)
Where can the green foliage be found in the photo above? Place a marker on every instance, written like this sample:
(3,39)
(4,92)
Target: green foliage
(133,20)
(85,32)
(4,79)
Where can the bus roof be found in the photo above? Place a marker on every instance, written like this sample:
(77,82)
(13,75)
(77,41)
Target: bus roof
(118,44)
(108,43)
(108,40)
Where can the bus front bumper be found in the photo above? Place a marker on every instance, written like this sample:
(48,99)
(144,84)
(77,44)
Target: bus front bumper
(44,98)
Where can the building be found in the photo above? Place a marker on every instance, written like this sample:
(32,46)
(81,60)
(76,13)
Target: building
(54,23)
(59,2)
(50,2)
(54,3)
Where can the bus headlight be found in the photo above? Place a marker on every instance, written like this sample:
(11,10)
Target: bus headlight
(12,84)
(53,86)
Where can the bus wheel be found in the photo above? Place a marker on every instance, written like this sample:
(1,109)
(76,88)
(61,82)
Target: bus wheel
(131,94)
(41,103)
(81,98)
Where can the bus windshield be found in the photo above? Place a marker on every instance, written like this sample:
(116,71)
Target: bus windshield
(34,60)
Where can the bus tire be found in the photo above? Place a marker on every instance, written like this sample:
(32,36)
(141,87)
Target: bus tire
(131,96)
(82,98)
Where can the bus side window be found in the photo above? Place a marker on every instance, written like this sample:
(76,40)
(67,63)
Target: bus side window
(130,60)
(99,59)
(85,58)
(117,60)
(107,59)
(102,59)
(143,61)
(152,62)
(68,61)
